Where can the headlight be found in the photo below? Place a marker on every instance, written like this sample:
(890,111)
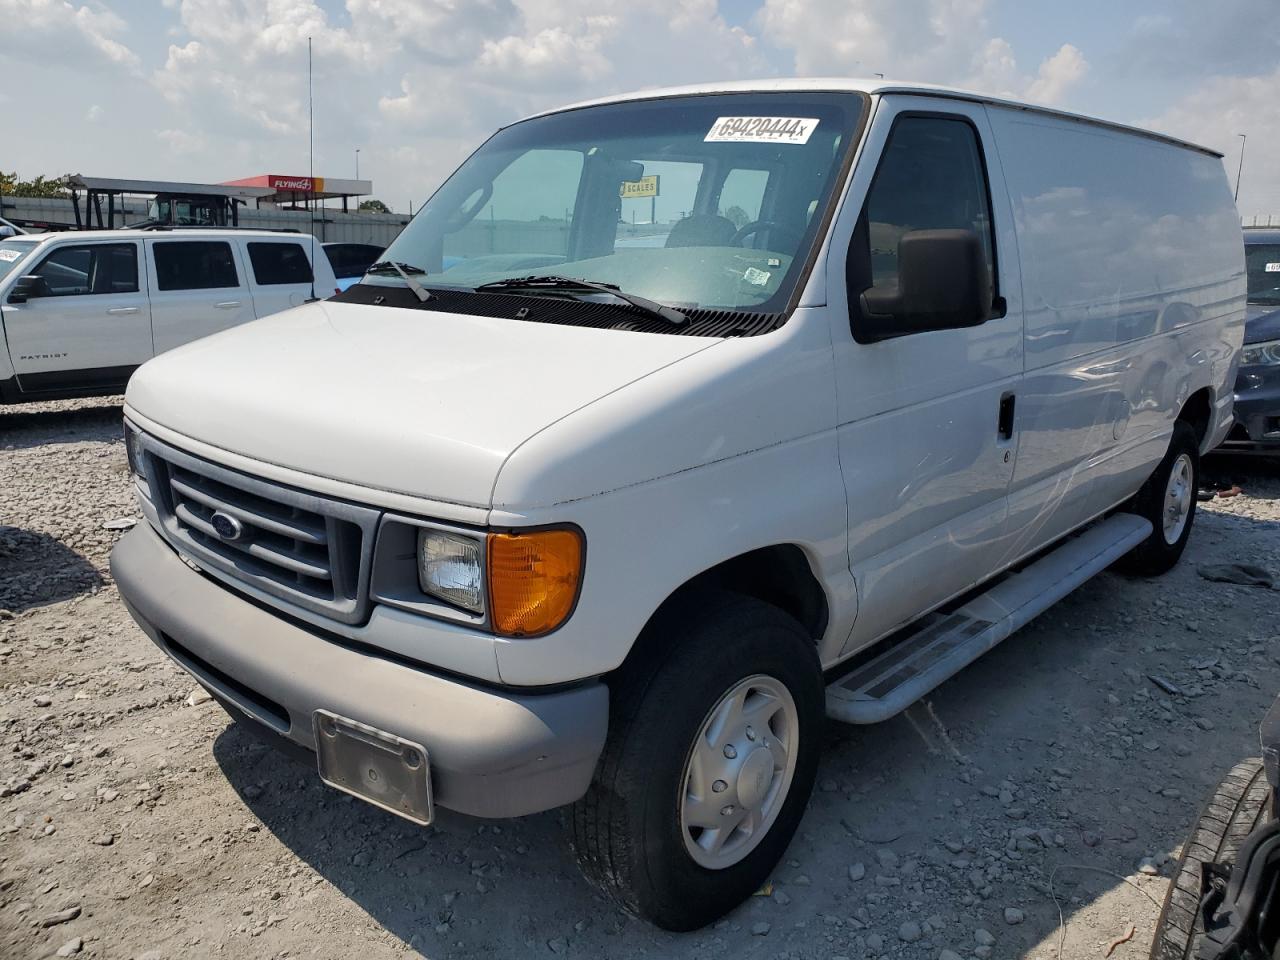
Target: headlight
(533,580)
(450,568)
(133,450)
(1260,353)
(525,584)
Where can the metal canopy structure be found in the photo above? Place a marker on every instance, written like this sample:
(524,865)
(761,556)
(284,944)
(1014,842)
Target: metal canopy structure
(282,188)
(215,204)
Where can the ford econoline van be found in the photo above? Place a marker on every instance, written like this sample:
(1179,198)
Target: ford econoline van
(81,310)
(672,424)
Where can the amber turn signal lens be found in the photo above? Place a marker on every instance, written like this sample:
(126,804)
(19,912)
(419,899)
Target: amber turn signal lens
(533,580)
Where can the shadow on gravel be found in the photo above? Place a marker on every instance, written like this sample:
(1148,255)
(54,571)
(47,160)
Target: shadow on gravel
(1054,752)
(36,570)
(21,428)
(429,886)
(1258,476)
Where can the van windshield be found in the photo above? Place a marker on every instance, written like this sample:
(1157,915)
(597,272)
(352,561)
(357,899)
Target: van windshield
(710,202)
(1262,261)
(12,253)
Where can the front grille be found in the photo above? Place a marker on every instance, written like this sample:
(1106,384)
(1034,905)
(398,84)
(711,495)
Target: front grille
(311,551)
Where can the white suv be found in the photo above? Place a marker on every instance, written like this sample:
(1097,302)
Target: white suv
(673,423)
(80,311)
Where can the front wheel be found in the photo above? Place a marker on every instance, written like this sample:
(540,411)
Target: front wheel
(713,747)
(1168,500)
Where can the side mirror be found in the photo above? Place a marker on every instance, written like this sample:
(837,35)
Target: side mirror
(27,287)
(943,284)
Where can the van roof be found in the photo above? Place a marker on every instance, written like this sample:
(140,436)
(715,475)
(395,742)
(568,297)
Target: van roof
(1261,235)
(874,87)
(220,232)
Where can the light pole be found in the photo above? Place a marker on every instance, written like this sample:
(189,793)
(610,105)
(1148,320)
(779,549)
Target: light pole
(1240,168)
(357,163)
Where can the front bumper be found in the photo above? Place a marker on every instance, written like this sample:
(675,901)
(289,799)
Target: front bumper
(493,753)
(1257,411)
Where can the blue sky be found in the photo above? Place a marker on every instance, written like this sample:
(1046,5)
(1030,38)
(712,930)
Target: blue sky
(216,89)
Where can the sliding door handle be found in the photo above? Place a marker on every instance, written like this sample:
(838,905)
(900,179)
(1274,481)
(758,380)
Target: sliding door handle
(1004,426)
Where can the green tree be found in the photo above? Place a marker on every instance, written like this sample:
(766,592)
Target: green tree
(373,206)
(41,186)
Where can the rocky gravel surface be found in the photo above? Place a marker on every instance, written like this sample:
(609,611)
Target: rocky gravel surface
(1031,807)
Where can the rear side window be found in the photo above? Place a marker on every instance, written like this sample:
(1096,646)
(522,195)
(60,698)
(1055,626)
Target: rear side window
(90,268)
(276,263)
(931,177)
(194,265)
(351,259)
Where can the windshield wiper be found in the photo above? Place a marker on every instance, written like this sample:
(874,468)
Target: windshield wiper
(571,285)
(404,269)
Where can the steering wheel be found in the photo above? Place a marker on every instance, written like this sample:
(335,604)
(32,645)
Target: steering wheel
(756,226)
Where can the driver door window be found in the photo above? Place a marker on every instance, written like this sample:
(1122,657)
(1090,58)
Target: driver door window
(90,269)
(931,177)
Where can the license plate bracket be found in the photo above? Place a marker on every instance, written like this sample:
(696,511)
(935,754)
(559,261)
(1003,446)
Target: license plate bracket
(378,767)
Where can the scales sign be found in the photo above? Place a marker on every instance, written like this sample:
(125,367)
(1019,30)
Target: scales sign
(644,187)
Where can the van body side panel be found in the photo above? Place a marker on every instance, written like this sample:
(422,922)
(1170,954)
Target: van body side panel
(1133,277)
(925,473)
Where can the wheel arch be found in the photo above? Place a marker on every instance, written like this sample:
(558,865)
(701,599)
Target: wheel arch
(780,575)
(1197,410)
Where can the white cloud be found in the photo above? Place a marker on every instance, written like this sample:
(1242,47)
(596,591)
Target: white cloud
(94,113)
(995,70)
(48,30)
(1057,75)
(912,39)
(1219,109)
(552,55)
(943,41)
(181,142)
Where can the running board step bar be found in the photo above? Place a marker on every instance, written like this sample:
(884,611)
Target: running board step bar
(944,644)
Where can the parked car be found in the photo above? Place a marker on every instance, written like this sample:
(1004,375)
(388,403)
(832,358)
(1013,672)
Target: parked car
(1224,901)
(81,310)
(1257,401)
(351,260)
(527,519)
(9,229)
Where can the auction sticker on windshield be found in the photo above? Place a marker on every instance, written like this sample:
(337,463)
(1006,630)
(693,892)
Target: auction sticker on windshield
(1273,268)
(8,256)
(761,130)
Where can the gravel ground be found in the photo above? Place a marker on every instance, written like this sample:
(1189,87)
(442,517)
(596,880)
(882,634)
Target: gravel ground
(137,821)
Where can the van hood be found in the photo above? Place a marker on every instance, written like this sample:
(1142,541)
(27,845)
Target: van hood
(1262,323)
(408,400)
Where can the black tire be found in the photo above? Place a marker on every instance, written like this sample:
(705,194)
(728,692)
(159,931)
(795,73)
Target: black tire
(627,831)
(1236,808)
(1156,555)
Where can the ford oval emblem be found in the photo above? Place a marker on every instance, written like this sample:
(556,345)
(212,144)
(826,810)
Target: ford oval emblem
(226,526)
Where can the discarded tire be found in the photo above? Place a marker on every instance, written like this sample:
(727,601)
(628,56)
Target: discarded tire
(1232,813)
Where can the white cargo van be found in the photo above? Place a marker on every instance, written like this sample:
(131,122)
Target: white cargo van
(676,422)
(80,311)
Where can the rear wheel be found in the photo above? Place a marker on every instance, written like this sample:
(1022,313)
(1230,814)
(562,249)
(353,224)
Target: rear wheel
(1232,813)
(1168,500)
(713,747)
